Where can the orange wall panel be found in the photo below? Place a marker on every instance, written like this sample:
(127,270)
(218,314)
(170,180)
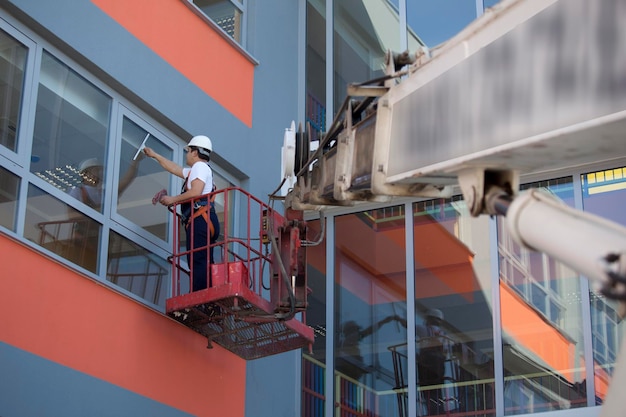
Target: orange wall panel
(185,41)
(53,312)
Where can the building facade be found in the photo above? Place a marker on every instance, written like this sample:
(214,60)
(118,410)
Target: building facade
(494,329)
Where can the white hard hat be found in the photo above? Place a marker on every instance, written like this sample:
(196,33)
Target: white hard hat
(88,163)
(435,312)
(201,141)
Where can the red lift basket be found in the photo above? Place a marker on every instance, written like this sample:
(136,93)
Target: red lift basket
(258,293)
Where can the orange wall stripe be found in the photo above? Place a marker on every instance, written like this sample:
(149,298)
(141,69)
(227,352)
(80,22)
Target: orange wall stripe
(531,332)
(185,41)
(52,312)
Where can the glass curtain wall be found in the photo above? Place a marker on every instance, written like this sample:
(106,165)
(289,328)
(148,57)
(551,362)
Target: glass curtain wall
(603,194)
(314,364)
(370,312)
(540,351)
(541,316)
(316,67)
(453,310)
(363,32)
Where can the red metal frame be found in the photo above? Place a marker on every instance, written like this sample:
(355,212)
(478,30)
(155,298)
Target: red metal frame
(246,310)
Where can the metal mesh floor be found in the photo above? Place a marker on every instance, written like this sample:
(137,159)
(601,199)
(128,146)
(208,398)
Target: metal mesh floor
(243,327)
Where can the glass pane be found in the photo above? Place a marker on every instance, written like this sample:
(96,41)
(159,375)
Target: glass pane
(9,187)
(12,64)
(140,179)
(137,270)
(453,310)
(603,194)
(364,31)
(57,227)
(434,22)
(490,3)
(225,14)
(316,68)
(70,137)
(543,347)
(314,365)
(370,310)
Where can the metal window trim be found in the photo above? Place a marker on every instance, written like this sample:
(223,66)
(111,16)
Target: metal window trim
(329,377)
(240,48)
(585,300)
(410,307)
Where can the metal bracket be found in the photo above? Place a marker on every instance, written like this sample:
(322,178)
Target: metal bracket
(480,185)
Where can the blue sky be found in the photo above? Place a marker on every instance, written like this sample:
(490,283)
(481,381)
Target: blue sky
(436,21)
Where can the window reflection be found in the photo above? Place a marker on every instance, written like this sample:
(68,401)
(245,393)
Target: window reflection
(135,269)
(9,186)
(12,64)
(314,365)
(603,194)
(453,311)
(363,32)
(370,306)
(434,22)
(316,68)
(225,14)
(139,179)
(70,136)
(57,227)
(543,347)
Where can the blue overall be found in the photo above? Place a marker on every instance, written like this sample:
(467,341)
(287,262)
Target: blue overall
(196,224)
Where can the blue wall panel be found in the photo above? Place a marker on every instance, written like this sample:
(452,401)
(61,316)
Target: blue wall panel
(31,386)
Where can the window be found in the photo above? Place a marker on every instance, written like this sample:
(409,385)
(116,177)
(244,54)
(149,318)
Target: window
(603,194)
(61,229)
(541,316)
(226,14)
(71,133)
(371,314)
(135,269)
(12,64)
(139,179)
(9,186)
(454,331)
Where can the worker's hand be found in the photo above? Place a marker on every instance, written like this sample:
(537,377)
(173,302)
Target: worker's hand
(140,156)
(149,152)
(167,200)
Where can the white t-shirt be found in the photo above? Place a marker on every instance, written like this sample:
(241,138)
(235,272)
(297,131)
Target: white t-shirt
(92,195)
(202,171)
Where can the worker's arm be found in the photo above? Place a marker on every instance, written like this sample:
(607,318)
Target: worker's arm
(197,186)
(130,174)
(166,164)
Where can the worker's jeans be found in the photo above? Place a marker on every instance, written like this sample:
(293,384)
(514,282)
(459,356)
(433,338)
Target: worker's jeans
(197,258)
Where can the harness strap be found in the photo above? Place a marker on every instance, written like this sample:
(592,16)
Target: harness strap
(204,212)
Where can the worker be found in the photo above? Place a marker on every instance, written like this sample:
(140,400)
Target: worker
(200,220)
(84,241)
(90,190)
(436,365)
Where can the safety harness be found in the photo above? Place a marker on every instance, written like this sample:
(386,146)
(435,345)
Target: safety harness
(200,208)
